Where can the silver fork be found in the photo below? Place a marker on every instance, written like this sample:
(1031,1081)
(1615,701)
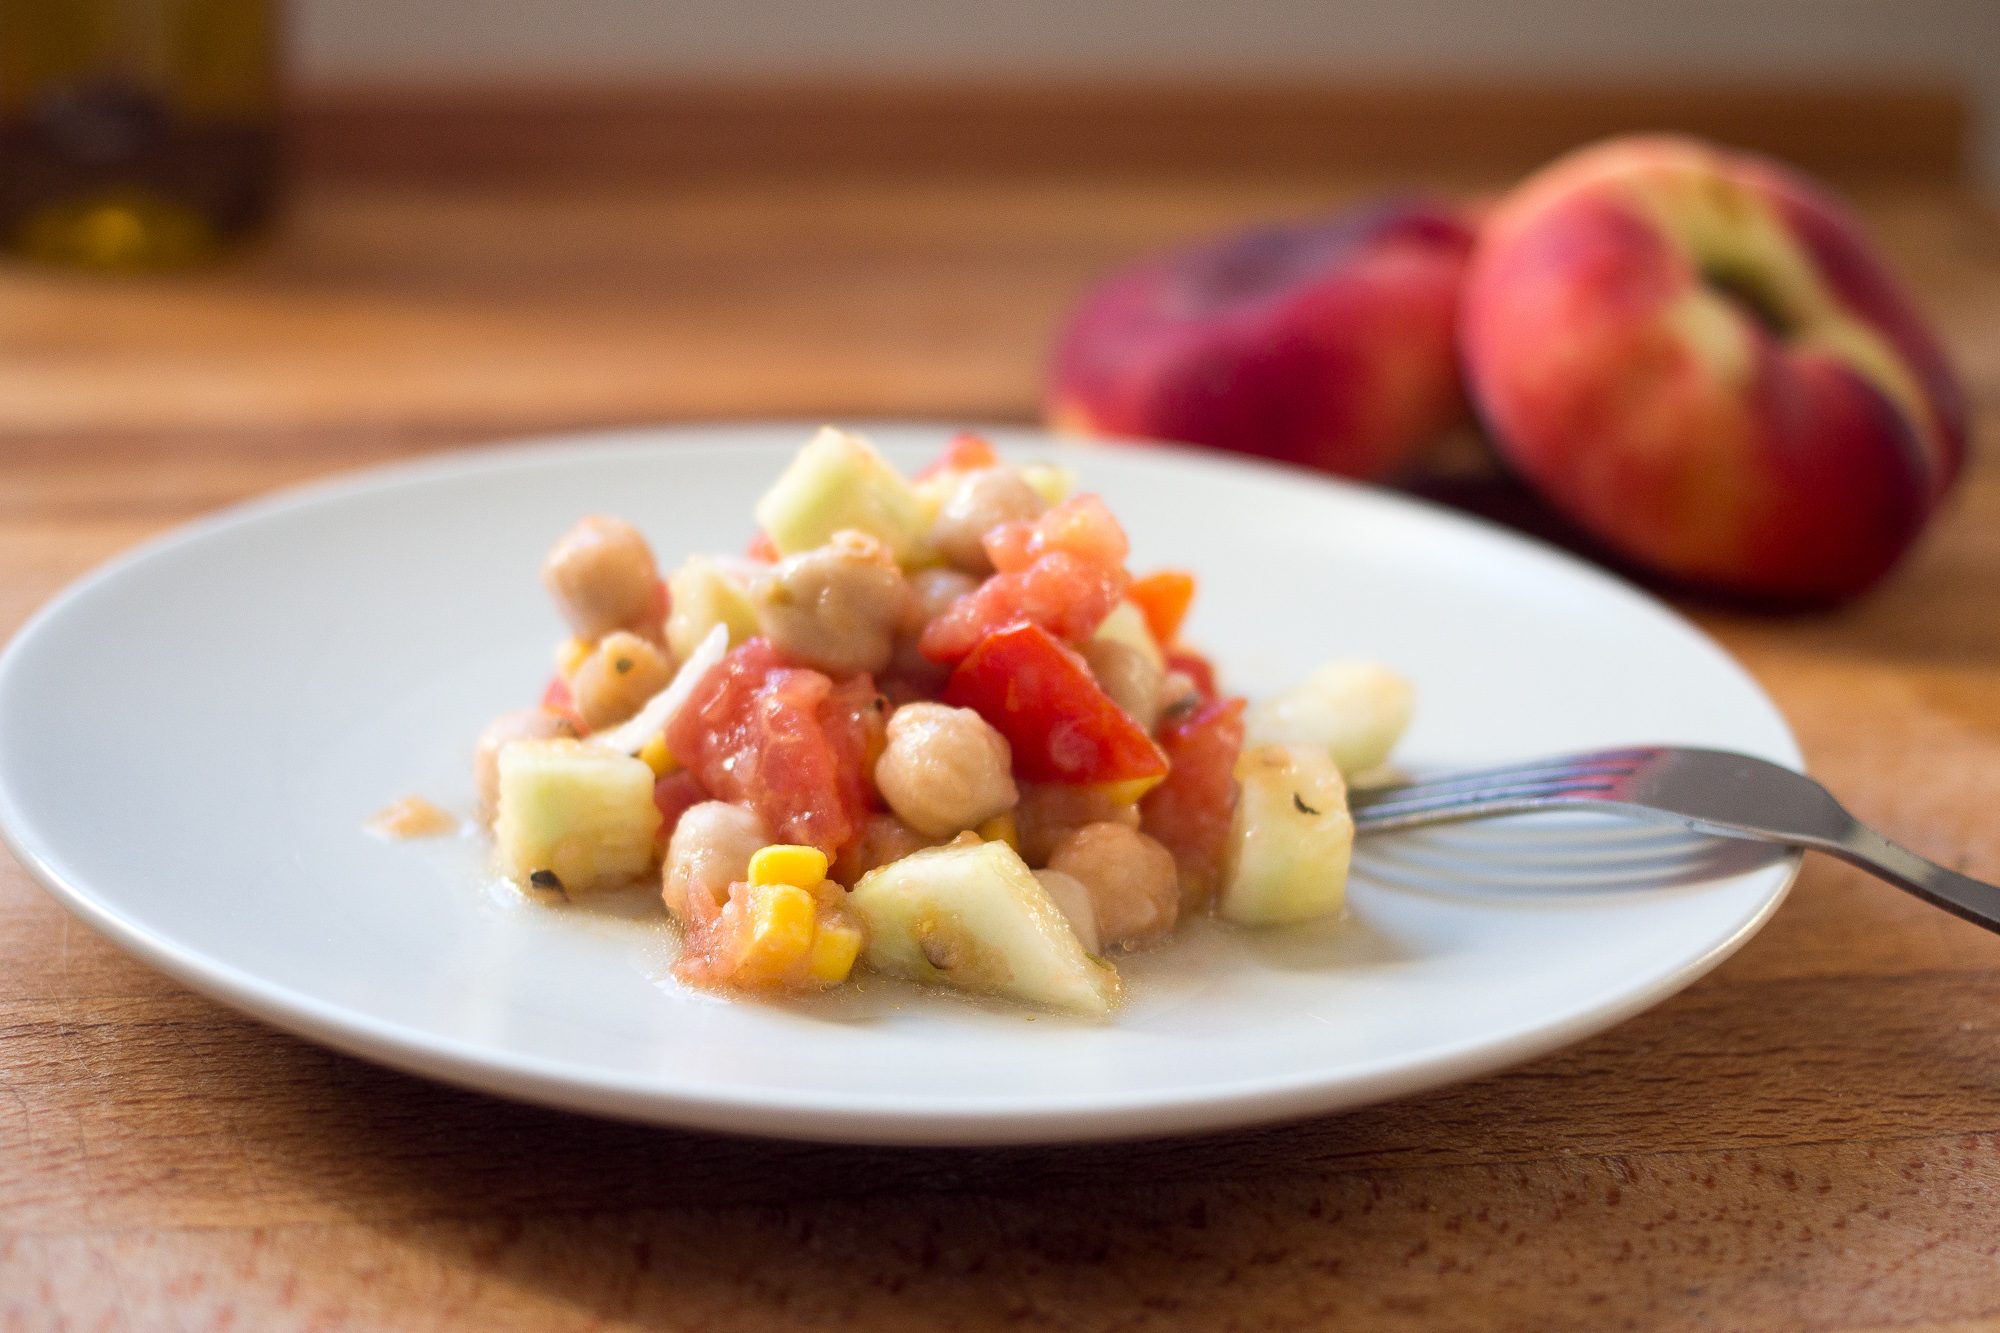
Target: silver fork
(1709,791)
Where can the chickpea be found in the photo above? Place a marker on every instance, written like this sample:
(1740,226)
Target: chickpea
(710,850)
(1051,811)
(1129,677)
(620,674)
(944,769)
(835,608)
(527,724)
(603,578)
(932,591)
(1073,900)
(1134,887)
(982,501)
(884,838)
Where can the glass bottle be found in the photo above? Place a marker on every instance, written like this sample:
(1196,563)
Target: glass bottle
(136,133)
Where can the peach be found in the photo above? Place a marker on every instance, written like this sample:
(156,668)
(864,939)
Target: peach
(1692,353)
(1329,344)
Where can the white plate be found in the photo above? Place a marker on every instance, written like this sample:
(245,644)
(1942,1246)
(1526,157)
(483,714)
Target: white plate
(191,738)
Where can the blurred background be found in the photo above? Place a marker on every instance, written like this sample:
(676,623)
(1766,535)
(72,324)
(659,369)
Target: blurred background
(1949,47)
(475,220)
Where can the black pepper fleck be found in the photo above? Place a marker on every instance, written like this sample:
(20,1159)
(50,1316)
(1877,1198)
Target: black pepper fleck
(1298,803)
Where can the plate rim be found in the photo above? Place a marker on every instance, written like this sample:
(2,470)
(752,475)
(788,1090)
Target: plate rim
(785,1113)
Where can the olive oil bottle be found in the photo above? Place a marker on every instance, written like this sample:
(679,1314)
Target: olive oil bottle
(136,134)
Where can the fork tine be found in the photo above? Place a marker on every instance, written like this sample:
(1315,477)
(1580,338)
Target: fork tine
(1396,804)
(1458,784)
(1604,763)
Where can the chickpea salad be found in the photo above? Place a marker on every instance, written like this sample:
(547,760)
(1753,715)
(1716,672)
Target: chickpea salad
(931,727)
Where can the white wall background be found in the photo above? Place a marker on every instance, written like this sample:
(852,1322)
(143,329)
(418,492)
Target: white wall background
(386,41)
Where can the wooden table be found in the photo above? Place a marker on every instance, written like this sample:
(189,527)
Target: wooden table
(1809,1138)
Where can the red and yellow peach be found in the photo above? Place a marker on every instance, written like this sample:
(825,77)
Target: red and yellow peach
(1328,344)
(1693,353)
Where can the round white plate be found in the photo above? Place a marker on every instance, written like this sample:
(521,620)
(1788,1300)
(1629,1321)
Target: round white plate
(192,737)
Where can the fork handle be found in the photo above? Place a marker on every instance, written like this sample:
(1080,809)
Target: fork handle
(1961,895)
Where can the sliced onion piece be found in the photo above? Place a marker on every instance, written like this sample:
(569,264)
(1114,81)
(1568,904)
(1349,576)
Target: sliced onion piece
(631,735)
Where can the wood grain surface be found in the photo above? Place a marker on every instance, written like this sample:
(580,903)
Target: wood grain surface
(732,129)
(1807,1139)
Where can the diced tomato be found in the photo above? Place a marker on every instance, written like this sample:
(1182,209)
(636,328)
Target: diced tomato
(1190,812)
(1082,525)
(1064,572)
(855,717)
(1196,668)
(1007,545)
(763,550)
(558,700)
(716,935)
(761,733)
(1164,597)
(966,453)
(1061,726)
(675,793)
(1059,592)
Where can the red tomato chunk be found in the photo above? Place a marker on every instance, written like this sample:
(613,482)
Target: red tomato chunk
(965,453)
(1064,595)
(855,718)
(1059,724)
(1081,526)
(1196,668)
(783,741)
(675,794)
(716,936)
(1064,572)
(1190,812)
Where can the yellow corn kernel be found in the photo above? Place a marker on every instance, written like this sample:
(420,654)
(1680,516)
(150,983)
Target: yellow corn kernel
(800,867)
(657,756)
(1129,791)
(569,656)
(781,933)
(834,950)
(933,491)
(1050,482)
(1001,828)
